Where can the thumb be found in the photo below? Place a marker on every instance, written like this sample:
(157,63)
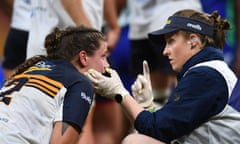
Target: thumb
(114,74)
(94,75)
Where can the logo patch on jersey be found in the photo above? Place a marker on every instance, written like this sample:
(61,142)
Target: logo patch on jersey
(176,97)
(3,119)
(85,97)
(40,66)
(43,64)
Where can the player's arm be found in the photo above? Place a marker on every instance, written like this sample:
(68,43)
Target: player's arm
(76,11)
(64,133)
(70,119)
(111,18)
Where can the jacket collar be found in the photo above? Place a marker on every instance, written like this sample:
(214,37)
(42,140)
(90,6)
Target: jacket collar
(206,54)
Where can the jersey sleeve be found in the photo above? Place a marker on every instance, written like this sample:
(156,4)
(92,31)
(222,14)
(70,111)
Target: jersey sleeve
(77,103)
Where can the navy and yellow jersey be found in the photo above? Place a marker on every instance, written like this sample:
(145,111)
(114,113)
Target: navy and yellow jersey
(47,92)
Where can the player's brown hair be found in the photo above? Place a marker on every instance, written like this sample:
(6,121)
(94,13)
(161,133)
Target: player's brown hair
(66,44)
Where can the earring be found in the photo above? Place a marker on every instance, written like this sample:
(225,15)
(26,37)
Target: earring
(191,42)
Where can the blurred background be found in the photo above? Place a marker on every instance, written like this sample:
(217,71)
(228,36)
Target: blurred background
(5,18)
(226,8)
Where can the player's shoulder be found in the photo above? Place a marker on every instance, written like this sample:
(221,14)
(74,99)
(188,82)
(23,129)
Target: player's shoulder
(68,74)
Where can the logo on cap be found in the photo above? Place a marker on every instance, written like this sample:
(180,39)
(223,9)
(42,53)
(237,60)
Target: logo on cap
(194,26)
(168,22)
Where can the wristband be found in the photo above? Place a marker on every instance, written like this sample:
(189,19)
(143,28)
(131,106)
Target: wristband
(118,98)
(152,109)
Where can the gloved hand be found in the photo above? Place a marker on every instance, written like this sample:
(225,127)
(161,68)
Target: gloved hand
(142,88)
(107,86)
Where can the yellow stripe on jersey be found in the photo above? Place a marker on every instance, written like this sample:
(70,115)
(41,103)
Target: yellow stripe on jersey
(43,83)
(42,88)
(34,68)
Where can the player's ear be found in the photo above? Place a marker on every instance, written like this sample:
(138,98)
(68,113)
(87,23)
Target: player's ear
(83,58)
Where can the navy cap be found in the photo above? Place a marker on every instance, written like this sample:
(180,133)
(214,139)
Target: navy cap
(175,23)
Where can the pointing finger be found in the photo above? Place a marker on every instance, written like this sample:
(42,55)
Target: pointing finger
(146,71)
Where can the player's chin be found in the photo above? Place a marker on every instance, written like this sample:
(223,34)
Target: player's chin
(176,68)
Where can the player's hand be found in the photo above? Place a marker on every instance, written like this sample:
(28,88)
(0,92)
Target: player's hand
(112,37)
(107,86)
(142,89)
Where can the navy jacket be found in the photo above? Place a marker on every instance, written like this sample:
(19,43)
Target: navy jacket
(200,94)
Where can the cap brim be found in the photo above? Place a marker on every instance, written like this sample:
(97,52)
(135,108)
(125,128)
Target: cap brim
(157,37)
